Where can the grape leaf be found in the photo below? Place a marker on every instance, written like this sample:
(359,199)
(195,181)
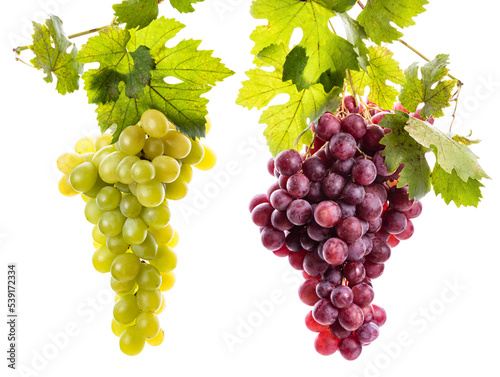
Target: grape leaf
(293,69)
(465,140)
(382,70)
(355,35)
(285,122)
(341,6)
(431,90)
(450,154)
(378,15)
(184,6)
(136,13)
(50,46)
(453,188)
(402,148)
(325,50)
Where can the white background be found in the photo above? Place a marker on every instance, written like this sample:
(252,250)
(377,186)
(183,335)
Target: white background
(224,274)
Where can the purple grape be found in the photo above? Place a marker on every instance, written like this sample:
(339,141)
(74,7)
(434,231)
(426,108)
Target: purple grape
(341,296)
(282,180)
(280,221)
(375,225)
(322,154)
(350,348)
(373,270)
(356,250)
(272,189)
(379,315)
(272,238)
(346,208)
(415,211)
(393,221)
(325,313)
(371,139)
(381,251)
(313,265)
(288,162)
(292,241)
(298,185)
(349,229)
(370,208)
(351,318)
(367,311)
(399,199)
(407,233)
(296,259)
(299,212)
(355,125)
(256,200)
(324,289)
(314,169)
(367,333)
(337,330)
(335,251)
(307,242)
(350,104)
(363,294)
(343,167)
(343,146)
(328,125)
(327,214)
(332,185)
(379,161)
(353,193)
(261,214)
(364,172)
(307,292)
(317,232)
(367,240)
(280,199)
(354,272)
(366,226)
(315,193)
(378,190)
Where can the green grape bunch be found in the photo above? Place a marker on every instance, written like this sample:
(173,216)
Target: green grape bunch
(126,187)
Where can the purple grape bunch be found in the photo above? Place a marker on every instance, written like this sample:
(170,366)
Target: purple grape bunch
(336,213)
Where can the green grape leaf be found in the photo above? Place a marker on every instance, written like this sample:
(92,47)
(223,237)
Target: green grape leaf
(184,6)
(136,13)
(402,148)
(465,140)
(431,89)
(450,154)
(341,6)
(378,15)
(355,35)
(50,46)
(287,121)
(293,69)
(382,71)
(325,50)
(453,188)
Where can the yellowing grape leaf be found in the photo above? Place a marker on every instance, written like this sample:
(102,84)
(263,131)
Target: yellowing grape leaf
(402,148)
(50,46)
(453,188)
(382,71)
(378,16)
(136,13)
(431,89)
(285,122)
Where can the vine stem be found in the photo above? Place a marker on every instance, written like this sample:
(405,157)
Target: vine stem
(355,96)
(416,51)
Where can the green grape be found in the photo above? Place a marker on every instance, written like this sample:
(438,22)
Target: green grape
(108,198)
(148,325)
(174,241)
(195,155)
(133,188)
(111,223)
(83,177)
(153,147)
(149,300)
(176,144)
(176,190)
(165,259)
(92,211)
(124,169)
(132,140)
(119,328)
(68,161)
(120,287)
(123,187)
(98,236)
(101,154)
(208,161)
(143,171)
(150,194)
(103,259)
(134,231)
(88,156)
(149,277)
(167,168)
(156,217)
(162,306)
(163,235)
(109,165)
(99,184)
(116,244)
(167,281)
(85,145)
(126,309)
(157,340)
(186,173)
(102,141)
(130,206)
(65,186)
(154,123)
(131,342)
(147,249)
(125,267)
